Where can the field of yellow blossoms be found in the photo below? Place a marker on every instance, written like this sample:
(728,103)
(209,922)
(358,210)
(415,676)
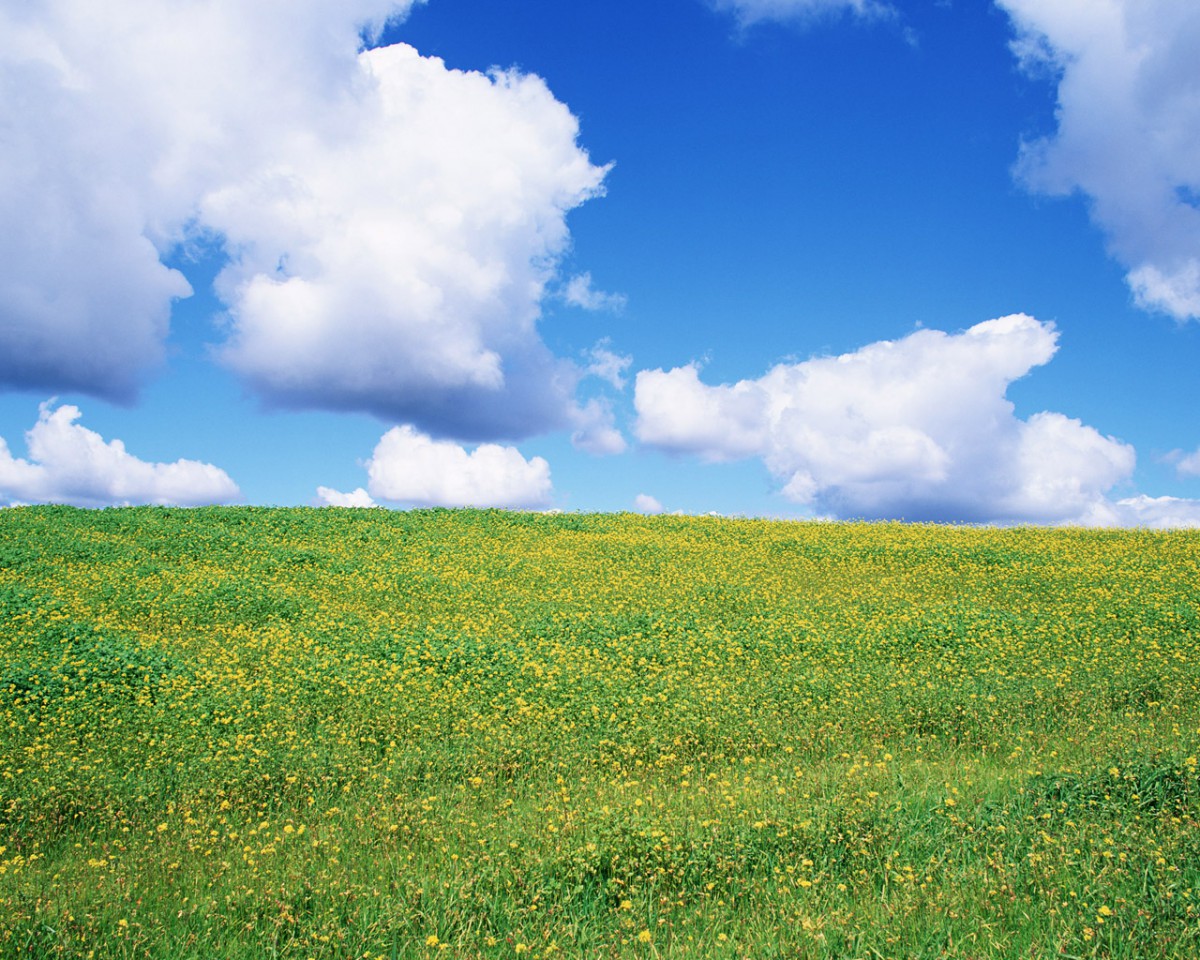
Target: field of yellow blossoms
(362,733)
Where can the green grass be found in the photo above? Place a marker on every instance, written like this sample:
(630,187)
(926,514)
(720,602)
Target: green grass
(328,733)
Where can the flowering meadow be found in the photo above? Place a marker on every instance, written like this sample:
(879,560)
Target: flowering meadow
(246,732)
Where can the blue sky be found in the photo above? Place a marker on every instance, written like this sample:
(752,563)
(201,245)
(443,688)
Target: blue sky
(772,257)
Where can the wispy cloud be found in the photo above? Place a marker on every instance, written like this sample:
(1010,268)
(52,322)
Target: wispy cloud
(608,365)
(595,429)
(580,292)
(754,11)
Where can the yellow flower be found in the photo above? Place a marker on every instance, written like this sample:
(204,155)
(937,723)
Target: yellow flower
(644,936)
(432,940)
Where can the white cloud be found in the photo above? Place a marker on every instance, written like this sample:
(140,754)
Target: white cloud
(392,224)
(595,431)
(607,365)
(917,428)
(1176,293)
(644,503)
(1128,131)
(399,268)
(117,118)
(677,412)
(1189,465)
(70,464)
(579,292)
(410,467)
(1062,469)
(752,11)
(328,497)
(1159,513)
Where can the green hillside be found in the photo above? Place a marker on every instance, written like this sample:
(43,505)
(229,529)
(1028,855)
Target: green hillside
(246,732)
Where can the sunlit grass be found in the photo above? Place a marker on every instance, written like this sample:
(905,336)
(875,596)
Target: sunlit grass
(304,733)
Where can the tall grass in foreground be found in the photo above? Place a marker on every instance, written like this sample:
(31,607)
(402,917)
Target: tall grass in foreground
(300,733)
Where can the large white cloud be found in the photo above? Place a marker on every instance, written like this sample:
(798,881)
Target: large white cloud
(411,468)
(1128,131)
(117,118)
(69,463)
(391,223)
(917,428)
(399,267)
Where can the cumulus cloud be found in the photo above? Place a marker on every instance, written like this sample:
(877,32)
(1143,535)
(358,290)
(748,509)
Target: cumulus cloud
(399,267)
(644,503)
(752,11)
(410,467)
(391,224)
(69,463)
(1128,132)
(116,120)
(917,428)
(679,413)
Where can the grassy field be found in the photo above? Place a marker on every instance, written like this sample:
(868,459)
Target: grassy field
(351,733)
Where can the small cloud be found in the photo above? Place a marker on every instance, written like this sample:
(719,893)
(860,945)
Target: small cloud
(1189,465)
(595,432)
(792,11)
(70,464)
(644,503)
(412,468)
(608,365)
(579,292)
(328,497)
(1176,292)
